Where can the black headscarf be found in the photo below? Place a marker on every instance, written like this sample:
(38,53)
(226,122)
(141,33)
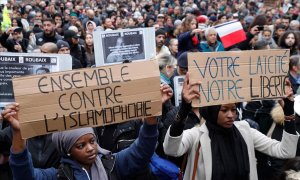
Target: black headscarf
(230,159)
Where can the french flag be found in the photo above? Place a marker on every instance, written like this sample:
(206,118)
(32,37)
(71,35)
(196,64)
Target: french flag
(231,33)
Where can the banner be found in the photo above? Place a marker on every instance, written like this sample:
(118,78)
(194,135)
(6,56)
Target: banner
(87,97)
(114,47)
(229,77)
(21,64)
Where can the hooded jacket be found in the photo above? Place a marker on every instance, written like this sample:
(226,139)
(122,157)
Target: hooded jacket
(128,162)
(188,142)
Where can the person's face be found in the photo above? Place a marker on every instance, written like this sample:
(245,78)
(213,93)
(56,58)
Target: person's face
(169,70)
(277,22)
(267,35)
(48,27)
(58,20)
(177,11)
(108,23)
(280,32)
(212,37)
(73,19)
(84,151)
(90,27)
(75,41)
(150,23)
(174,46)
(182,71)
(38,16)
(89,40)
(160,40)
(14,23)
(64,50)
(118,20)
(140,19)
(67,15)
(193,24)
(169,22)
(223,19)
(18,36)
(290,40)
(291,11)
(285,22)
(227,115)
(131,22)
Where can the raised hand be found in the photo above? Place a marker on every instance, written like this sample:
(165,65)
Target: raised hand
(188,92)
(166,92)
(10,114)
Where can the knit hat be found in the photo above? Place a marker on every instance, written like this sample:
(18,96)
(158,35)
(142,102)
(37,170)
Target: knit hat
(213,18)
(60,44)
(182,60)
(201,19)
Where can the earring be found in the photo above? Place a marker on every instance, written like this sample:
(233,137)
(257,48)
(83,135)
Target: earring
(69,154)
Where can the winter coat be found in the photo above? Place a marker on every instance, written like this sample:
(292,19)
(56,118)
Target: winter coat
(42,39)
(185,43)
(207,48)
(128,162)
(188,142)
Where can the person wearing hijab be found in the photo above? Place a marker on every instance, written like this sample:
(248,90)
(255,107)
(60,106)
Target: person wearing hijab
(222,148)
(80,151)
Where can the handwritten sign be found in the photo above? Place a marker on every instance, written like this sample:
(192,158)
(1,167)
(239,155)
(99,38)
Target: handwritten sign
(87,97)
(229,77)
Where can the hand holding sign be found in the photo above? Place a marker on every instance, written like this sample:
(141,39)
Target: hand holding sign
(289,90)
(188,92)
(11,115)
(166,93)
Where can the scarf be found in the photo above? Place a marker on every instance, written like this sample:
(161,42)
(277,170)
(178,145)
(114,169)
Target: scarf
(230,159)
(64,141)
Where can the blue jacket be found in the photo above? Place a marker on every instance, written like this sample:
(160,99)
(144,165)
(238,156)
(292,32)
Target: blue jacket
(185,43)
(206,48)
(129,161)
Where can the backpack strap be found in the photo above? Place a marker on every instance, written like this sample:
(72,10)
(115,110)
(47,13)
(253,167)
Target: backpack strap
(196,161)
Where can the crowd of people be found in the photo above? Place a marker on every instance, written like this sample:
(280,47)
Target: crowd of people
(249,140)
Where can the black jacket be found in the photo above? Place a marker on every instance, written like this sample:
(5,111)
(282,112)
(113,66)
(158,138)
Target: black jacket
(9,44)
(44,153)
(78,51)
(42,39)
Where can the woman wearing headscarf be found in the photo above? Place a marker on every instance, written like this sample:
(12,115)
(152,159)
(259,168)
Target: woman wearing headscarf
(82,157)
(222,148)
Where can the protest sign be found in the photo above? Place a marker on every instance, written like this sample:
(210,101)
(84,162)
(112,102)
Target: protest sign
(87,97)
(21,64)
(229,77)
(114,47)
(178,85)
